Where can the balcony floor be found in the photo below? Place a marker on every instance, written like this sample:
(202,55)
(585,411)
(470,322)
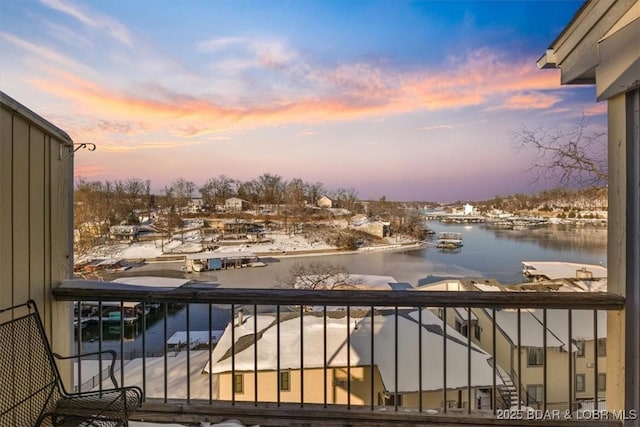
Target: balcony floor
(194,414)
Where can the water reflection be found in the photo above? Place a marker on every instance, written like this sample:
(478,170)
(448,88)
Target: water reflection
(559,237)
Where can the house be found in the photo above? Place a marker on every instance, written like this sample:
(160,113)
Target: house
(354,372)
(359,219)
(196,205)
(324,202)
(521,353)
(235,204)
(376,228)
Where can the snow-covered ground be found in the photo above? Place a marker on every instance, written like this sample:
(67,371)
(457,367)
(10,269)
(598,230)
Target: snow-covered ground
(278,243)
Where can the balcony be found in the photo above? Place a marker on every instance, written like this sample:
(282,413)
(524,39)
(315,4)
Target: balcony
(36,230)
(362,358)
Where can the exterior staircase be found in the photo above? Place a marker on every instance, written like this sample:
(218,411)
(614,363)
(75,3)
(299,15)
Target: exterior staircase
(507,391)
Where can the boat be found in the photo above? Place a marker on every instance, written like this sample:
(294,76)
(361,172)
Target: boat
(448,240)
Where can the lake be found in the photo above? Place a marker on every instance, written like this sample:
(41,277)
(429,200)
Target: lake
(487,253)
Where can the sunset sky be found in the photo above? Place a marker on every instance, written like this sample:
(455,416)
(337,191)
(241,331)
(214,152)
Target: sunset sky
(408,100)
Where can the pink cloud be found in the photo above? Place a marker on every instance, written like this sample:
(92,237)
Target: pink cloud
(531,100)
(347,92)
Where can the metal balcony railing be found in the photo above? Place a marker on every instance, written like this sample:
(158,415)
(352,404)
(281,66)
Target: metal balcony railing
(305,354)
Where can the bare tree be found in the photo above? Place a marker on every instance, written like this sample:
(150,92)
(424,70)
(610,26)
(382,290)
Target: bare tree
(216,190)
(314,192)
(317,276)
(294,194)
(180,192)
(91,214)
(577,156)
(347,198)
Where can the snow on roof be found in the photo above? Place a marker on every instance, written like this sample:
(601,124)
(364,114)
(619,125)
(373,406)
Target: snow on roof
(481,284)
(531,330)
(176,375)
(135,284)
(487,288)
(153,281)
(563,285)
(442,285)
(359,328)
(595,285)
(561,270)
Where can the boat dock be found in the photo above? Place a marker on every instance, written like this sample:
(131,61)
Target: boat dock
(196,340)
(206,261)
(552,270)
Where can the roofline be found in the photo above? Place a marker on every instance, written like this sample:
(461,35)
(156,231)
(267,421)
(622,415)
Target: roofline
(569,25)
(13,105)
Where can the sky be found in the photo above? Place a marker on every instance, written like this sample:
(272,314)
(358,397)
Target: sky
(411,100)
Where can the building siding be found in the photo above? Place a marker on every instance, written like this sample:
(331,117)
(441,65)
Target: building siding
(36,173)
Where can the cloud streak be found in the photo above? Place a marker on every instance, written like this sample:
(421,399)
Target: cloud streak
(346,93)
(92,20)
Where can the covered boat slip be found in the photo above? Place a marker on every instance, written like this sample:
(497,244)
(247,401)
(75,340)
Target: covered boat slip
(207,261)
(109,312)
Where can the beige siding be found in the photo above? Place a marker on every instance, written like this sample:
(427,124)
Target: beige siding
(313,386)
(35,215)
(616,248)
(337,392)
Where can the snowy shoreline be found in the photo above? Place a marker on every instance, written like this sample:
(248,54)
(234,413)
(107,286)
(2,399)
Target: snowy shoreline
(279,246)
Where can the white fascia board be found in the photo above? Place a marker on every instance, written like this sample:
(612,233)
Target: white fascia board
(619,55)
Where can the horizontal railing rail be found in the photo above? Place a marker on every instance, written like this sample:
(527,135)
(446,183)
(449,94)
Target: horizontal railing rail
(474,299)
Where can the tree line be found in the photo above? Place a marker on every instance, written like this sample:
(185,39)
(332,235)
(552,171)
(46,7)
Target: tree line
(119,199)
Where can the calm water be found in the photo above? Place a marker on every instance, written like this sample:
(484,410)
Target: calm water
(486,253)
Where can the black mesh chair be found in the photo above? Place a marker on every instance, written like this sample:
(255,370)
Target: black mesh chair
(31,390)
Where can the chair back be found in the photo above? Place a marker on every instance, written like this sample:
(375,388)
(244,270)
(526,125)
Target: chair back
(29,378)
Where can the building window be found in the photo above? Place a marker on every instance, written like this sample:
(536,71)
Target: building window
(580,387)
(476,331)
(285,381)
(602,347)
(391,400)
(535,356)
(238,383)
(535,393)
(602,382)
(580,346)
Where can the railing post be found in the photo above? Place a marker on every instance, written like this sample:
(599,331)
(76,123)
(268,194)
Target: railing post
(495,362)
(444,359)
